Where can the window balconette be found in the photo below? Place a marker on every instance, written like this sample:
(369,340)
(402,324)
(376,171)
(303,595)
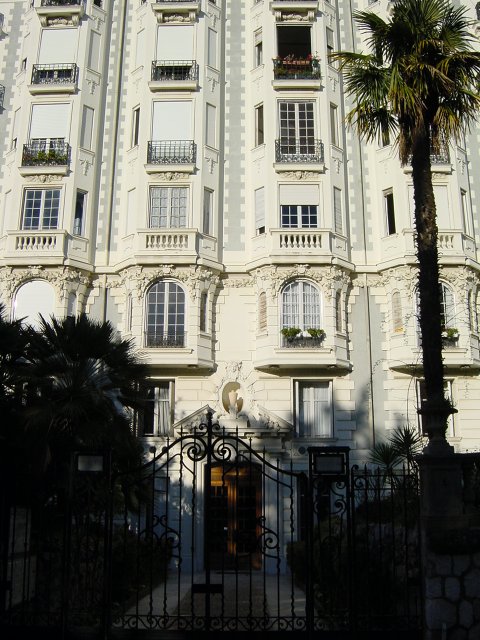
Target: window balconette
(289,68)
(299,151)
(46,155)
(155,340)
(174,74)
(54,78)
(168,155)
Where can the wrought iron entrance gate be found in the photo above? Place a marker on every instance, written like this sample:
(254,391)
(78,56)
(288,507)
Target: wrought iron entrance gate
(212,534)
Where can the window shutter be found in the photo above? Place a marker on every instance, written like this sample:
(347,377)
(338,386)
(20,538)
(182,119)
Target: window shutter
(262,311)
(172,121)
(93,61)
(260,208)
(58,45)
(299,194)
(212,48)
(49,121)
(397,318)
(441,202)
(87,128)
(175,42)
(337,210)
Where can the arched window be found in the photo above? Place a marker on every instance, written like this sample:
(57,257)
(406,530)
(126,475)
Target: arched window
(203,311)
(34,299)
(165,315)
(397,316)
(262,312)
(301,306)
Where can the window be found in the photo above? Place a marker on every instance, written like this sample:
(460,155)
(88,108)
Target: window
(389,209)
(338,312)
(210,125)
(78,221)
(334,124)
(294,41)
(397,316)
(135,126)
(212,48)
(299,216)
(421,397)
(41,209)
(260,211)
(203,311)
(330,44)
(313,409)
(466,218)
(156,417)
(447,306)
(262,312)
(297,131)
(301,305)
(337,211)
(87,128)
(168,207)
(207,211)
(259,138)
(93,59)
(165,315)
(258,47)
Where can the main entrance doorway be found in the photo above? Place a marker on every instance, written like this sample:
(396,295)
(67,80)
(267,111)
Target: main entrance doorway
(235,510)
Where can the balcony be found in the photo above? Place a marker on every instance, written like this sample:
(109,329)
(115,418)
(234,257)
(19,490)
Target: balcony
(284,245)
(43,247)
(165,340)
(2,95)
(171,155)
(54,78)
(440,162)
(289,73)
(405,354)
(71,11)
(175,246)
(174,75)
(176,10)
(453,246)
(45,155)
(299,155)
(273,353)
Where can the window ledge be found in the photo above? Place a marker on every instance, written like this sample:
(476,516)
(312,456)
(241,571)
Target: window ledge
(170,168)
(44,170)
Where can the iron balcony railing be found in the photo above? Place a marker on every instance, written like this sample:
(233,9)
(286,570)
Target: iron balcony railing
(60,3)
(442,157)
(302,343)
(173,340)
(54,74)
(171,152)
(46,151)
(296,69)
(2,95)
(306,150)
(174,70)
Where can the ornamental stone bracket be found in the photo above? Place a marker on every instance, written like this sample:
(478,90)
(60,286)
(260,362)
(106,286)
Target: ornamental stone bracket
(171,12)
(288,16)
(60,16)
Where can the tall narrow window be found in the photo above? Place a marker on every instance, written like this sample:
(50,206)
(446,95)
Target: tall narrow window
(212,48)
(135,126)
(330,44)
(87,128)
(259,138)
(258,45)
(156,417)
(168,207)
(466,218)
(338,312)
(422,396)
(165,315)
(93,60)
(207,211)
(203,311)
(389,212)
(259,211)
(211,116)
(262,312)
(314,409)
(447,306)
(397,315)
(337,210)
(334,124)
(80,205)
(72,304)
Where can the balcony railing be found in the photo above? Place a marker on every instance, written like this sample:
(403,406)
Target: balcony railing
(60,3)
(288,69)
(299,151)
(54,74)
(302,343)
(166,70)
(154,340)
(171,152)
(46,152)
(2,95)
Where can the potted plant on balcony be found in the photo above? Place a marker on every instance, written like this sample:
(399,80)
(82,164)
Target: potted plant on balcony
(291,333)
(449,336)
(317,334)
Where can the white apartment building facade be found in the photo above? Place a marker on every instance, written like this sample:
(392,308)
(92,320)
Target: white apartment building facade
(181,168)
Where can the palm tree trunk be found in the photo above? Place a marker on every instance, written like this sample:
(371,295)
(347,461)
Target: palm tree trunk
(436,408)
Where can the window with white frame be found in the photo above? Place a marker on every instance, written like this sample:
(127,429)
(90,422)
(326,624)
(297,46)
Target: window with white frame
(337,211)
(301,306)
(397,315)
(165,315)
(41,209)
(389,208)
(259,132)
(156,416)
(297,128)
(262,312)
(258,47)
(299,206)
(339,312)
(313,410)
(204,311)
(80,208)
(422,396)
(207,211)
(168,207)
(447,306)
(334,124)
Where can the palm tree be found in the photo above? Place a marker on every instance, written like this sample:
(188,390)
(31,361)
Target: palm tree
(418,86)
(83,381)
